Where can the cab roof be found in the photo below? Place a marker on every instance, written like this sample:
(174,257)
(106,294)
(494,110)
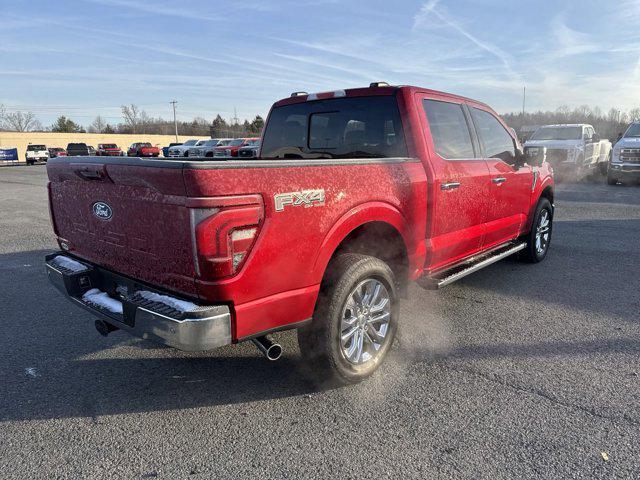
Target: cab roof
(301,97)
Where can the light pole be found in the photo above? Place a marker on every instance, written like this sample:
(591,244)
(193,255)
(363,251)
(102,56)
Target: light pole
(175,122)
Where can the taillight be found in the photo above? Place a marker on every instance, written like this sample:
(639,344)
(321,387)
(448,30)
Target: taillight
(224,239)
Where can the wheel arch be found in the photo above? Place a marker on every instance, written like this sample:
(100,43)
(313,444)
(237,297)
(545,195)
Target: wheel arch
(377,229)
(548,193)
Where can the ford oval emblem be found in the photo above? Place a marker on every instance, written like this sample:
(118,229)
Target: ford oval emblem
(102,211)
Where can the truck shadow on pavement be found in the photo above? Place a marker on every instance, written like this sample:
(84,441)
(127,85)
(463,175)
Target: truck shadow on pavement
(54,365)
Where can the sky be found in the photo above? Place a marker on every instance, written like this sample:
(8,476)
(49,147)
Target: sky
(82,58)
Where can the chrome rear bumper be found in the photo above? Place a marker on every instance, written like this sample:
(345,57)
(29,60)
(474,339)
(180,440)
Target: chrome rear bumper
(171,321)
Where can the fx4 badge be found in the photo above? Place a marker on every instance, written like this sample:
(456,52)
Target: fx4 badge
(308,198)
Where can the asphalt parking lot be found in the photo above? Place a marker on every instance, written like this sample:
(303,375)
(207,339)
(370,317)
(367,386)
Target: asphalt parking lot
(520,370)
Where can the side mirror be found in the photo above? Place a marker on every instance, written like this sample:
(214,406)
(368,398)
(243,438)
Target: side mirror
(535,156)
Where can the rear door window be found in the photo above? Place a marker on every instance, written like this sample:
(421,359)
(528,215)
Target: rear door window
(449,130)
(358,127)
(495,139)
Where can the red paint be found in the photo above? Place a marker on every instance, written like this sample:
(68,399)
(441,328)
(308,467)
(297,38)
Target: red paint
(161,214)
(139,150)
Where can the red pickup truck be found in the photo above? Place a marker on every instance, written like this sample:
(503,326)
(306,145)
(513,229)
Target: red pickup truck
(143,149)
(356,193)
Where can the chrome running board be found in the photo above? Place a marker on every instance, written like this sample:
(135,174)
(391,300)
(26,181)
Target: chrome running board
(469,266)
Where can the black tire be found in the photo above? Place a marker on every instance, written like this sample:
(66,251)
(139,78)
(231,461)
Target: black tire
(319,341)
(611,180)
(530,253)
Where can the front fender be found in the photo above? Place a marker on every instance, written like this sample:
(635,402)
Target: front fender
(545,181)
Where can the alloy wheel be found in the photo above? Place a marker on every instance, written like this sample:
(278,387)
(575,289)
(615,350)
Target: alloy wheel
(365,323)
(543,232)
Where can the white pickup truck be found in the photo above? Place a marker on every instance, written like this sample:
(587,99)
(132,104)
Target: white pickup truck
(36,153)
(183,150)
(574,150)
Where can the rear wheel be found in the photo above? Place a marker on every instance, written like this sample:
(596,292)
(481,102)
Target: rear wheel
(539,238)
(355,320)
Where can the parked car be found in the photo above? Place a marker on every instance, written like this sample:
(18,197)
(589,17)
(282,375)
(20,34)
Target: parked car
(183,150)
(143,149)
(231,149)
(165,150)
(77,149)
(574,150)
(57,152)
(362,191)
(206,148)
(36,153)
(624,163)
(92,150)
(109,150)
(250,150)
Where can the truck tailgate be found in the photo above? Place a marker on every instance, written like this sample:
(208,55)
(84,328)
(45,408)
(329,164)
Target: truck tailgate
(128,218)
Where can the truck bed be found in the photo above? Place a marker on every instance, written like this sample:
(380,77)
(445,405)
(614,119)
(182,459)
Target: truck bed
(157,203)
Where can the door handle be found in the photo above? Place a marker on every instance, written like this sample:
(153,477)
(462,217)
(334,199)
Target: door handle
(449,186)
(499,180)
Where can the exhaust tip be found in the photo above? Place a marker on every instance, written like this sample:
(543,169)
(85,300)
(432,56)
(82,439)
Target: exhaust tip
(272,351)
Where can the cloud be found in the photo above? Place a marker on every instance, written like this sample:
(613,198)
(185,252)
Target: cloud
(429,9)
(423,14)
(570,42)
(158,9)
(354,72)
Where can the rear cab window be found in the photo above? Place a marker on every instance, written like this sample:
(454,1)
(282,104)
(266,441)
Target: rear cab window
(35,148)
(346,127)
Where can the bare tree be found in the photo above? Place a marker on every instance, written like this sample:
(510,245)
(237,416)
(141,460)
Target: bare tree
(20,121)
(98,125)
(144,121)
(131,115)
(634,114)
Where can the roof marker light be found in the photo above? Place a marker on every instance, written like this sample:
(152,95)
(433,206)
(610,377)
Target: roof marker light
(378,84)
(299,94)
